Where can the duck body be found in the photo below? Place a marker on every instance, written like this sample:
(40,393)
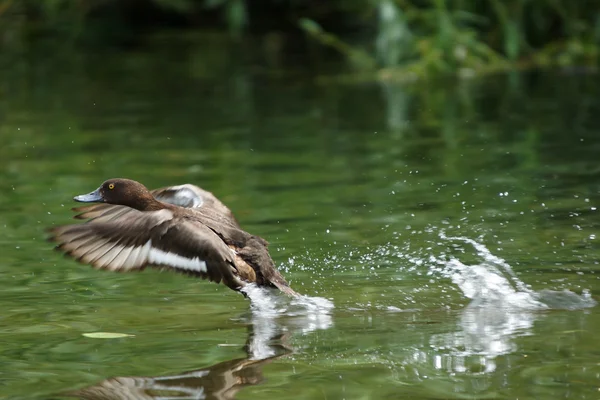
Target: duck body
(183,228)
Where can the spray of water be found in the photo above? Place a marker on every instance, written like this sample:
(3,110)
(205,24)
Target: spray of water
(265,302)
(501,306)
(492,282)
(274,314)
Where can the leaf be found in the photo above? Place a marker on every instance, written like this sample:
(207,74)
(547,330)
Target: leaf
(106,335)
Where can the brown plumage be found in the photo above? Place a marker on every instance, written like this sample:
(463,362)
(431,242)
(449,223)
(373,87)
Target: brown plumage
(184,228)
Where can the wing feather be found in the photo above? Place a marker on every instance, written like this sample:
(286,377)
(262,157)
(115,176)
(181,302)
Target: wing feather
(157,238)
(128,259)
(103,211)
(90,253)
(110,256)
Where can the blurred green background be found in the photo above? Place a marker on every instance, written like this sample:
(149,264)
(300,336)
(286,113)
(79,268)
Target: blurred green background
(339,131)
(405,39)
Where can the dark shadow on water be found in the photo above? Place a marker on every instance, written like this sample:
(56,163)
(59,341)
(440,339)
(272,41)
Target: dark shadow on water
(220,381)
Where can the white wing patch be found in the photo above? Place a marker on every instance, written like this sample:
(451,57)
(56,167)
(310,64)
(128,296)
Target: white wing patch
(116,257)
(159,257)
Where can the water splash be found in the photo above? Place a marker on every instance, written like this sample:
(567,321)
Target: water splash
(492,282)
(305,313)
(502,306)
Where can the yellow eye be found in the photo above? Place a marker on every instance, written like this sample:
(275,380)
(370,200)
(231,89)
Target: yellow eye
(111,186)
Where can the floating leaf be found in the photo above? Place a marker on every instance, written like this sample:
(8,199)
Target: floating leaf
(106,335)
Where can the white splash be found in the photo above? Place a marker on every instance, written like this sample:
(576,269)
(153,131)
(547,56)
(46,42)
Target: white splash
(492,282)
(311,313)
(262,302)
(304,312)
(274,313)
(502,307)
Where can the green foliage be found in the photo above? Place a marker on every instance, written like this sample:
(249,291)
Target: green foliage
(415,36)
(357,57)
(460,35)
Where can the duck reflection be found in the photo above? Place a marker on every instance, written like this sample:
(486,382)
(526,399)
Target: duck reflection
(272,319)
(266,342)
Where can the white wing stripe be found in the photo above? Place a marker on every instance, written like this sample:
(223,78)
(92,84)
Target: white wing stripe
(159,257)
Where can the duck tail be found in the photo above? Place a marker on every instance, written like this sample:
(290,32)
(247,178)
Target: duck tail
(280,283)
(276,279)
(285,288)
(256,254)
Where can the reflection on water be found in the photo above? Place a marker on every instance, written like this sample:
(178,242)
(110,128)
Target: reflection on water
(483,334)
(268,339)
(219,381)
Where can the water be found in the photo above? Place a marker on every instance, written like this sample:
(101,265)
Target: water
(443,235)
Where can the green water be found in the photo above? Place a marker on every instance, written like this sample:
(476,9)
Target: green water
(354,185)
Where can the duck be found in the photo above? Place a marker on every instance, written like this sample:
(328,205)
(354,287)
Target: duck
(182,228)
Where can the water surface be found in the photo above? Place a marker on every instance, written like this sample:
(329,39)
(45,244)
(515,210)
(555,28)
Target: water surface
(453,225)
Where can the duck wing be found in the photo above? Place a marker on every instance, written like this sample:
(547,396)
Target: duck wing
(251,250)
(131,240)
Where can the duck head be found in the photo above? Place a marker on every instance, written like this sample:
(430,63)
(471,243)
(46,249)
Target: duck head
(119,191)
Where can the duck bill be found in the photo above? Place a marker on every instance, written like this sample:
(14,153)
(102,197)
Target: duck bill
(93,197)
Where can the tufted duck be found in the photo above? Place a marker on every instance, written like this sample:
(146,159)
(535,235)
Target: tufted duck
(184,228)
